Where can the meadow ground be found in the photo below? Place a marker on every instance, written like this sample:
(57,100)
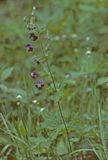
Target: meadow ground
(54,80)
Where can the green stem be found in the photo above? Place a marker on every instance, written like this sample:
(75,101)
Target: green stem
(59,105)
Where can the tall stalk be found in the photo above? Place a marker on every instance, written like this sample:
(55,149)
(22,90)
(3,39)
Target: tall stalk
(55,89)
(58,103)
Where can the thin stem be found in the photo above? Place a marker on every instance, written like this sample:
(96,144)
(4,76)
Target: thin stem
(59,105)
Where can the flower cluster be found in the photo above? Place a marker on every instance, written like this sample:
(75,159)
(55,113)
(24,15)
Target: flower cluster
(31,27)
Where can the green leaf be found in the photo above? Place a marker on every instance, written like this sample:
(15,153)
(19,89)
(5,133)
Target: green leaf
(6,73)
(61,148)
(102,80)
(4,140)
(5,148)
(56,97)
(39,141)
(104,30)
(3,88)
(17,91)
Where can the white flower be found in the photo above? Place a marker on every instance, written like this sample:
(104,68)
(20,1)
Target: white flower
(42,109)
(34,8)
(88,52)
(19,96)
(76,49)
(34,101)
(18,103)
(56,38)
(87,38)
(74,35)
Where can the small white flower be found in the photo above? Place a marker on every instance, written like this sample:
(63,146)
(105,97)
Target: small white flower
(19,96)
(34,101)
(32,13)
(56,38)
(18,103)
(42,109)
(76,49)
(34,8)
(87,38)
(88,52)
(67,75)
(24,19)
(74,35)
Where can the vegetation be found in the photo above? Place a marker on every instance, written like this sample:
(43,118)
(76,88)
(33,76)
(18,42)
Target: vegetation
(54,80)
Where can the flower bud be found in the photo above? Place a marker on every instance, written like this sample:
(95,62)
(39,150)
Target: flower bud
(29,47)
(33,37)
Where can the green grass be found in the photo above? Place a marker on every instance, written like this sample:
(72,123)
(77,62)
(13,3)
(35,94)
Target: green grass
(67,119)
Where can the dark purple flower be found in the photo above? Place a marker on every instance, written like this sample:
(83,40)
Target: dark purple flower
(34,74)
(39,84)
(29,47)
(33,37)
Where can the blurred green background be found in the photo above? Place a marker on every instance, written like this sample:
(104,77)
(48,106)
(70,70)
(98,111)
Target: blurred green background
(78,56)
